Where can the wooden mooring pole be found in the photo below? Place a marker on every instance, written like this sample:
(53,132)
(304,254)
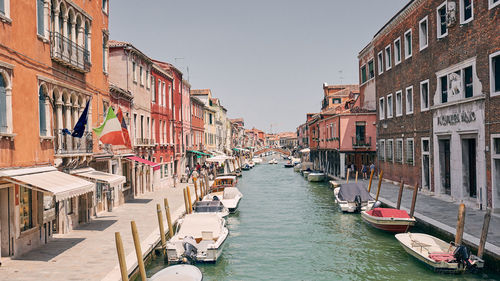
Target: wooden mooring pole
(160,224)
(348,172)
(169,218)
(186,205)
(196,189)
(379,184)
(460,224)
(414,200)
(189,199)
(484,233)
(400,194)
(138,251)
(370,183)
(356,176)
(121,256)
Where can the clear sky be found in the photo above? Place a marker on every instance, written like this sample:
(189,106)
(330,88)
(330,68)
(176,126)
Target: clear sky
(265,59)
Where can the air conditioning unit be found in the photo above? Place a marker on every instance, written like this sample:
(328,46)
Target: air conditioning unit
(451,13)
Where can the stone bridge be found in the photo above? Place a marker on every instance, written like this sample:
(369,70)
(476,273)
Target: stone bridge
(279,150)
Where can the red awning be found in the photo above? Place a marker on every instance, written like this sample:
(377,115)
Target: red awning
(155,166)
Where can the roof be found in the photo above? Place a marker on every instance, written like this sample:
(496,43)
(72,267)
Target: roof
(123,44)
(167,66)
(200,92)
(394,18)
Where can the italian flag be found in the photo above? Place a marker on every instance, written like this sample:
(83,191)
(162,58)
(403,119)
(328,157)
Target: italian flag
(110,132)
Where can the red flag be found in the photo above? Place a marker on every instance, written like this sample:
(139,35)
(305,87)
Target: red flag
(126,136)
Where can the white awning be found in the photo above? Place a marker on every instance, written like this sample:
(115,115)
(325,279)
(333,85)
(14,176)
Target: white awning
(59,184)
(102,176)
(305,150)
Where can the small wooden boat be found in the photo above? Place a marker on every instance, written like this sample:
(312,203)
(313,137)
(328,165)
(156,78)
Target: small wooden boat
(439,255)
(353,197)
(316,176)
(230,198)
(289,164)
(214,206)
(179,272)
(273,161)
(388,219)
(245,167)
(222,182)
(199,238)
(306,173)
(257,160)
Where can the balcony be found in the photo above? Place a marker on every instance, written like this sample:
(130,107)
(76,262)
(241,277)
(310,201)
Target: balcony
(144,142)
(68,53)
(65,144)
(358,142)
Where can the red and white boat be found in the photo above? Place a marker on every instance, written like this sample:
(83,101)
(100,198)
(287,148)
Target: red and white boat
(388,219)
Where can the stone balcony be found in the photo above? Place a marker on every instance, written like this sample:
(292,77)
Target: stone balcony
(69,53)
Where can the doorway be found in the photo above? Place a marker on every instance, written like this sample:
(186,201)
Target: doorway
(469,167)
(495,155)
(426,163)
(5,231)
(444,161)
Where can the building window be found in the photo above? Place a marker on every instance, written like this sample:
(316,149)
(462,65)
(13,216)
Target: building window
(468,82)
(410,152)
(389,106)
(424,95)
(423,35)
(409,100)
(363,74)
(444,89)
(397,51)
(163,94)
(40,14)
(381,150)
(371,70)
(147,79)
(360,132)
(466,11)
(153,89)
(2,7)
(105,52)
(141,80)
(442,30)
(381,108)
(25,208)
(495,73)
(399,103)
(408,42)
(388,60)
(399,151)
(42,112)
(389,151)
(105,6)
(380,62)
(493,3)
(134,71)
(70,206)
(335,100)
(3,105)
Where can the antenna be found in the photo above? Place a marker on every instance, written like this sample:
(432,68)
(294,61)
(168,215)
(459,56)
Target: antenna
(340,76)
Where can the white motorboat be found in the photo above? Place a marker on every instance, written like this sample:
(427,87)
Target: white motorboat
(230,198)
(199,238)
(252,164)
(295,161)
(296,168)
(273,161)
(437,254)
(306,174)
(179,272)
(316,176)
(257,160)
(353,197)
(214,206)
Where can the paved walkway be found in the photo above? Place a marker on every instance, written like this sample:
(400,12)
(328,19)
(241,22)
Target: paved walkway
(443,214)
(89,253)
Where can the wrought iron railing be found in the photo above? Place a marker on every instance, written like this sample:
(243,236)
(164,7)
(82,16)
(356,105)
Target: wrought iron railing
(68,52)
(66,144)
(361,142)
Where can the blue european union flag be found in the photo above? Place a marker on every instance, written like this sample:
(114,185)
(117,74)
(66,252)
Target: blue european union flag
(82,121)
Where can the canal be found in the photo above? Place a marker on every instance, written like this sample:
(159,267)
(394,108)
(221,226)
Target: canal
(290,229)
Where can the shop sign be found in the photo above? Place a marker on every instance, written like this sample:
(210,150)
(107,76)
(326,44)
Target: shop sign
(455,118)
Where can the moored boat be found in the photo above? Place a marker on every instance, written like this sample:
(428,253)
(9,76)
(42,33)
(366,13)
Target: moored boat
(178,272)
(296,168)
(316,176)
(289,164)
(439,255)
(353,197)
(273,161)
(388,219)
(257,160)
(199,238)
(215,206)
(306,173)
(222,182)
(230,198)
(246,167)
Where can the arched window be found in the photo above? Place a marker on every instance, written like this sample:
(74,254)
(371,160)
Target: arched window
(42,112)
(40,17)
(86,37)
(3,105)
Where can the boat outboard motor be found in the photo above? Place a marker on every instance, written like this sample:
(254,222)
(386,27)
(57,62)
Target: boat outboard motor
(358,201)
(216,198)
(377,204)
(461,255)
(190,250)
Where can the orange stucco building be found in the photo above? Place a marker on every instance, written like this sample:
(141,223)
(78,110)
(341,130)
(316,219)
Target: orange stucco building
(53,59)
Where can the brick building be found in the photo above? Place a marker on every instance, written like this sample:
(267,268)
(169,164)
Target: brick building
(437,109)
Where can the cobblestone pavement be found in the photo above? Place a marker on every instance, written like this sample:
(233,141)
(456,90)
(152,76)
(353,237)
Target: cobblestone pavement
(89,253)
(442,213)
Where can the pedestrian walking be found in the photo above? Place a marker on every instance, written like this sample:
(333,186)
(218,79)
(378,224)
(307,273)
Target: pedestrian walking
(372,168)
(364,170)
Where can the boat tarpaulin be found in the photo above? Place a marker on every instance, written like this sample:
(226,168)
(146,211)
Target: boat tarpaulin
(104,177)
(155,166)
(61,185)
(199,153)
(389,213)
(348,192)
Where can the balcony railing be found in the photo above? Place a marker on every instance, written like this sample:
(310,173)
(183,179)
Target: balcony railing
(67,52)
(66,144)
(361,143)
(143,141)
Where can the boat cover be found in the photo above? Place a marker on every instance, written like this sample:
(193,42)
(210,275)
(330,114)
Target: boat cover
(348,192)
(208,206)
(388,213)
(231,192)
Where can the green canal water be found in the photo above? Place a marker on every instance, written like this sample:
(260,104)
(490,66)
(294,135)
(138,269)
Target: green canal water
(290,229)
